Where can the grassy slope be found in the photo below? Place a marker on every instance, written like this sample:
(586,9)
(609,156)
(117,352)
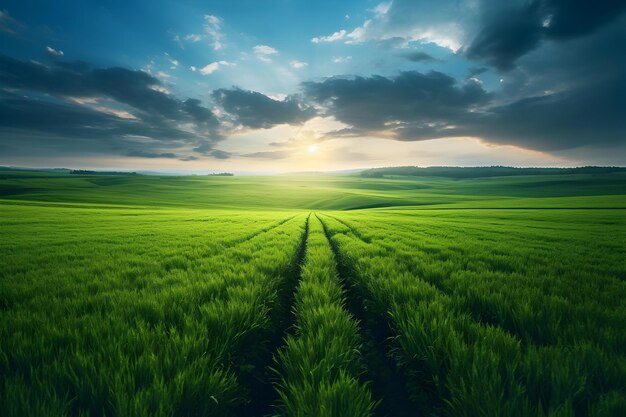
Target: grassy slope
(531,300)
(140,234)
(319,192)
(99,307)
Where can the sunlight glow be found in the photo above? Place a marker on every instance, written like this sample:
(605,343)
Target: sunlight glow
(312,149)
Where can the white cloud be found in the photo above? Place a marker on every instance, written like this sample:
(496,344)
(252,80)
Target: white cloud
(163,74)
(406,20)
(212,32)
(277,96)
(87,101)
(298,64)
(192,68)
(210,68)
(161,89)
(381,9)
(341,59)
(447,36)
(212,20)
(193,37)
(178,40)
(359,34)
(122,114)
(547,22)
(264,52)
(213,66)
(213,29)
(54,52)
(337,36)
(83,100)
(173,62)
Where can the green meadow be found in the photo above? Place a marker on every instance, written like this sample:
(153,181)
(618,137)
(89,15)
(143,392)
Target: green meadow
(312,295)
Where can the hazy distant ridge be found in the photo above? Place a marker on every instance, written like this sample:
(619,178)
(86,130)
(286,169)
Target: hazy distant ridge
(475,172)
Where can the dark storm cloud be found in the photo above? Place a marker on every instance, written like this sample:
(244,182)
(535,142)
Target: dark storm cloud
(564,87)
(30,126)
(571,18)
(207,148)
(143,154)
(135,88)
(473,72)
(380,103)
(204,147)
(130,87)
(268,155)
(565,95)
(200,114)
(70,120)
(255,110)
(57,100)
(507,36)
(510,30)
(561,121)
(216,153)
(415,106)
(419,56)
(189,158)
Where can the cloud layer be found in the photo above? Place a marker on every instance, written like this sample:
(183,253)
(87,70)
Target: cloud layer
(113,110)
(258,111)
(545,75)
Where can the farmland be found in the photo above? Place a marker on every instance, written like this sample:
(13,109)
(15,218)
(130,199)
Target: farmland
(312,295)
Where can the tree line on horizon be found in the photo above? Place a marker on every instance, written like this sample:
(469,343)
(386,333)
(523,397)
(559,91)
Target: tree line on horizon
(490,171)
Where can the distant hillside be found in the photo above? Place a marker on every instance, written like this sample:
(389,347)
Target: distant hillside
(89,172)
(477,172)
(56,170)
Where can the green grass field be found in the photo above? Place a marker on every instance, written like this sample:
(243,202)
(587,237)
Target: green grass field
(312,295)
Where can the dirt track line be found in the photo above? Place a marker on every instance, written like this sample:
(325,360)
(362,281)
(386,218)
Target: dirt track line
(260,232)
(352,229)
(263,395)
(388,384)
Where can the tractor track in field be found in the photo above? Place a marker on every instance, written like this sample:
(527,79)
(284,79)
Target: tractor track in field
(263,394)
(352,229)
(439,284)
(252,235)
(416,271)
(387,381)
(426,404)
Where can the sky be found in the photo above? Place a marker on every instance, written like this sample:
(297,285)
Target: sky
(299,85)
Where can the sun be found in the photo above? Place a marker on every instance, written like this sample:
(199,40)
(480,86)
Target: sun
(312,149)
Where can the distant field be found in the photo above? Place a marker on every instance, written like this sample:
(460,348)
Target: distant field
(317,295)
(315,192)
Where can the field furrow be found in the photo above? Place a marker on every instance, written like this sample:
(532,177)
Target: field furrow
(505,288)
(263,395)
(388,381)
(177,341)
(320,365)
(259,232)
(456,361)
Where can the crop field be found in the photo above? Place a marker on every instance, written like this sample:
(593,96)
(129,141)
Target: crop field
(317,295)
